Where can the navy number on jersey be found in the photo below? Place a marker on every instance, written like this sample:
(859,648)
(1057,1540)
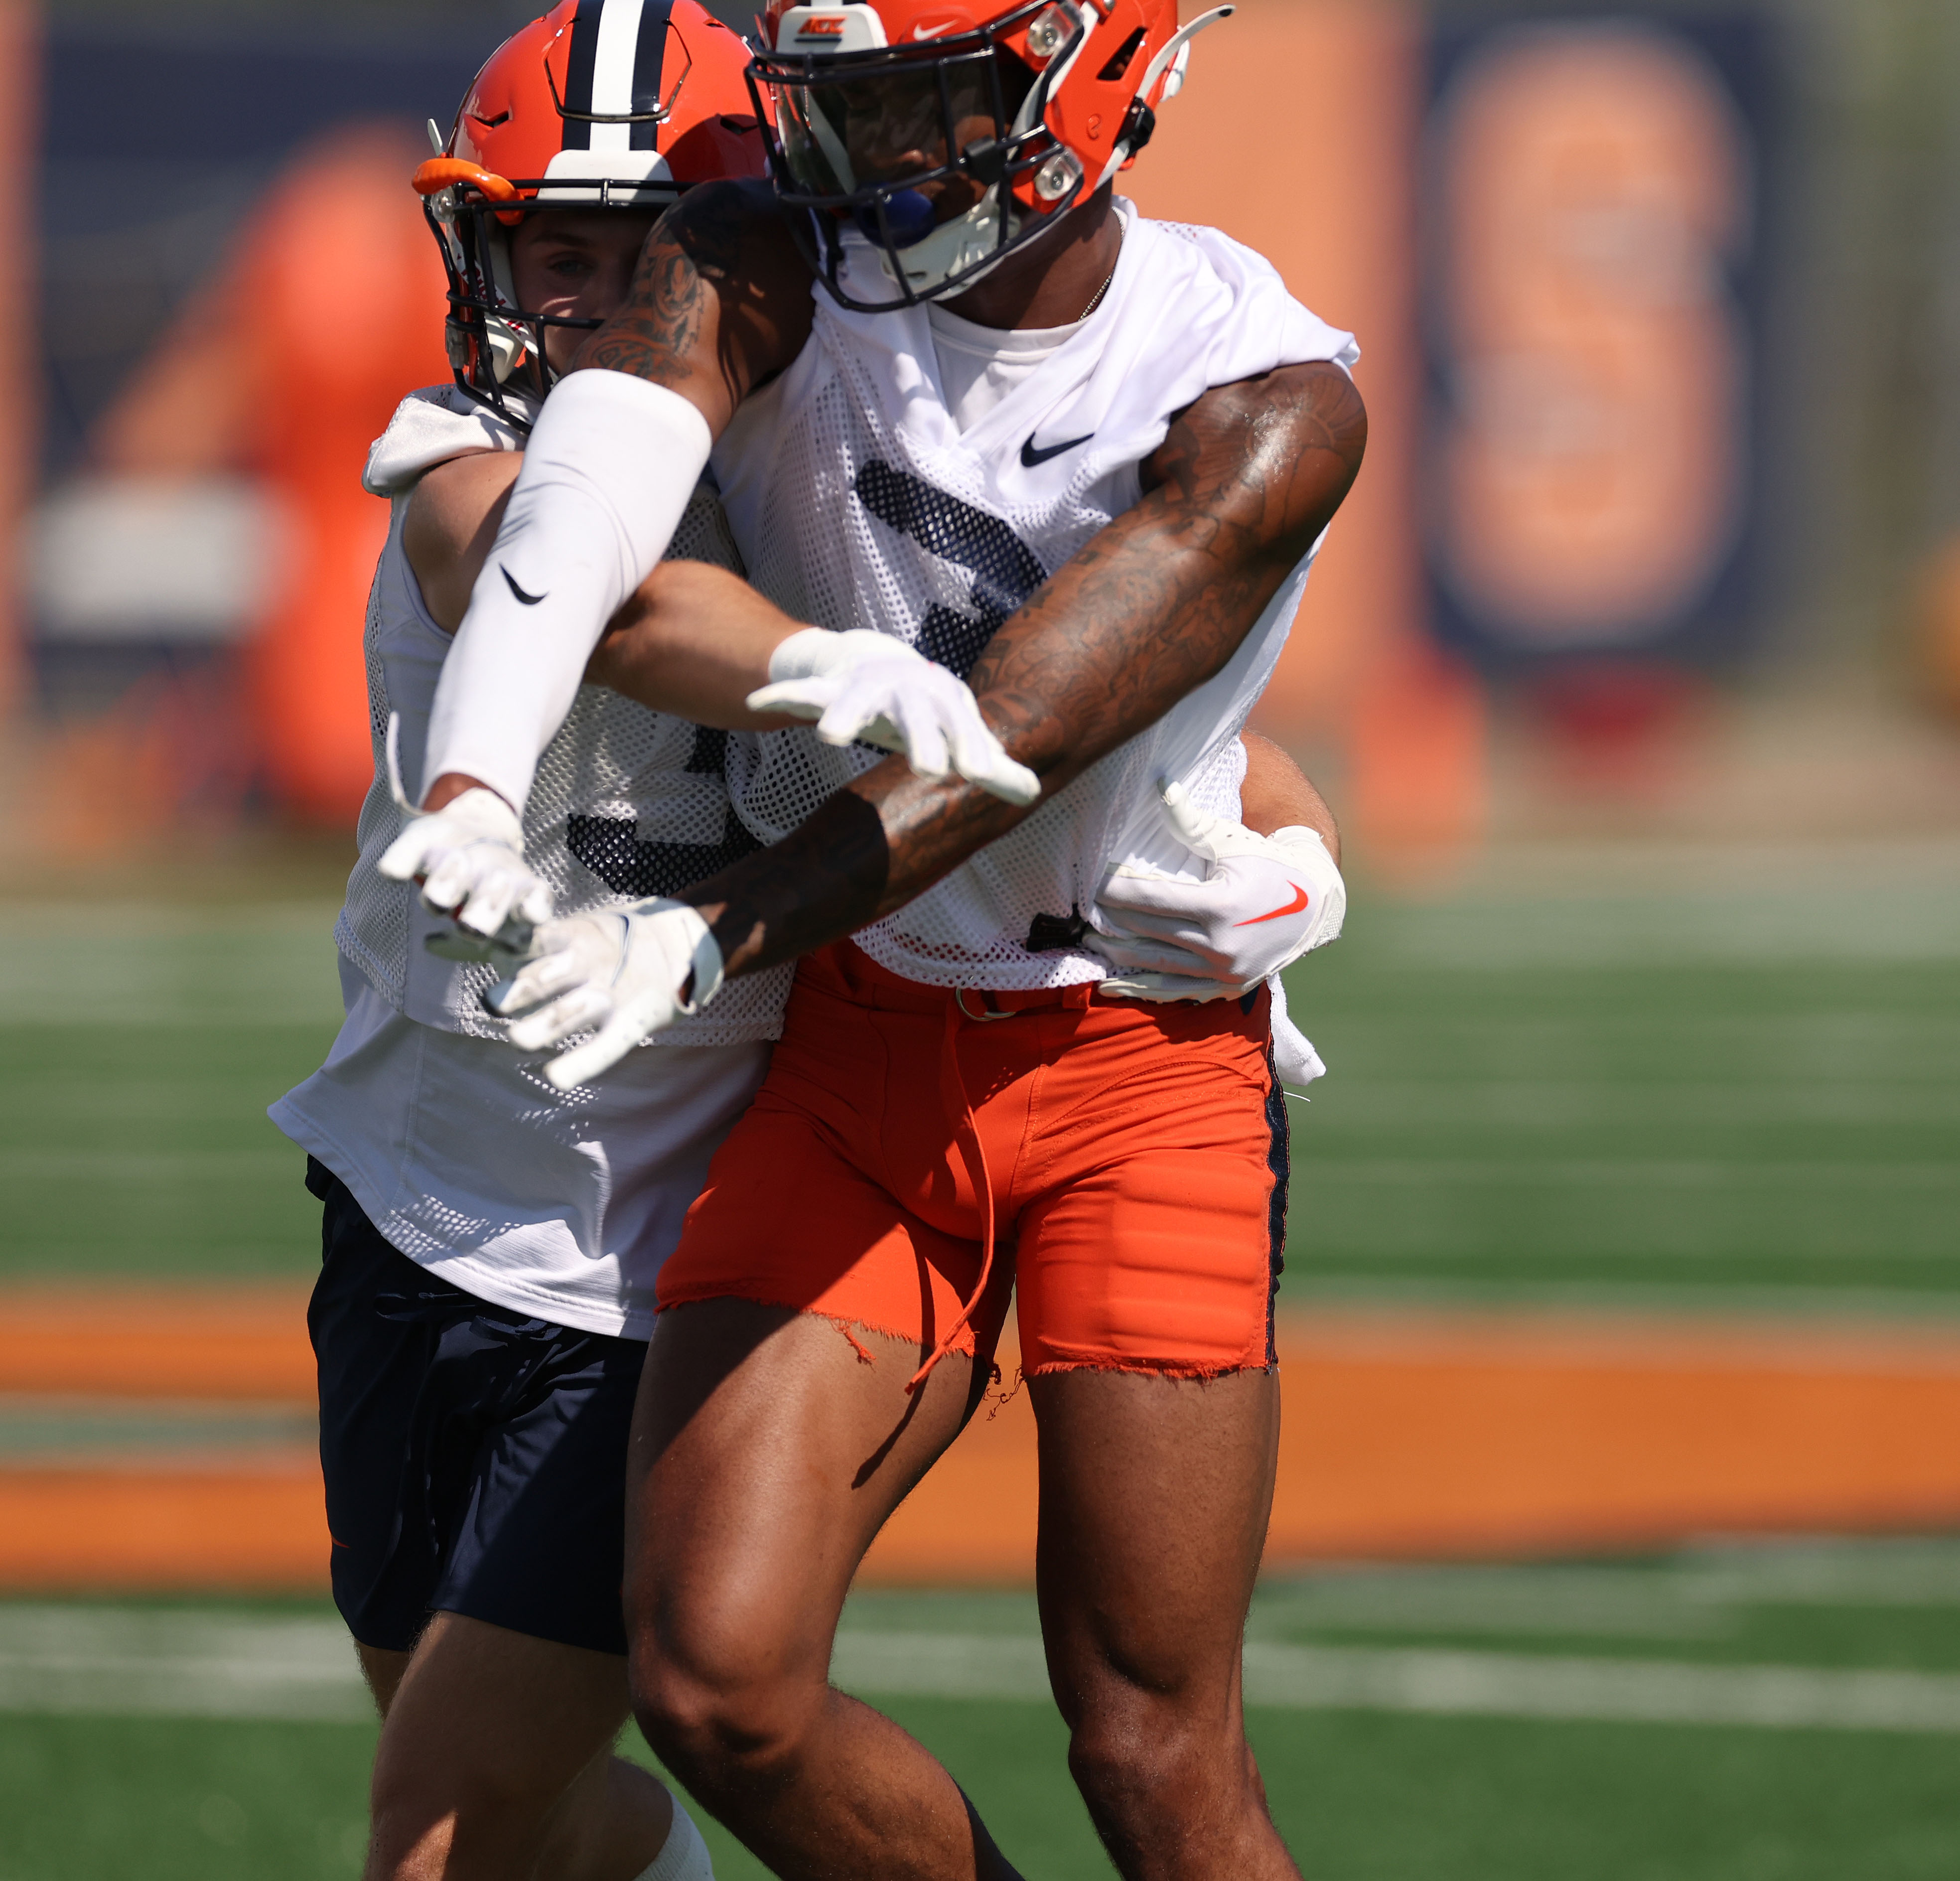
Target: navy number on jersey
(1005,572)
(612,848)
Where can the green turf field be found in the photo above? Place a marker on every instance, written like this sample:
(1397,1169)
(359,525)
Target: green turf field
(1740,1096)
(1534,1101)
(1711,1094)
(1364,1799)
(1427,1760)
(138,1049)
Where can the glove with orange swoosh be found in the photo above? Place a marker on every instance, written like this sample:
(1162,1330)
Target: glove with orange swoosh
(1265,902)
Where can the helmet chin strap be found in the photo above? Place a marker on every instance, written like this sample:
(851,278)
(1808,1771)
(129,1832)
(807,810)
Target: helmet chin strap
(1173,46)
(508,344)
(1172,56)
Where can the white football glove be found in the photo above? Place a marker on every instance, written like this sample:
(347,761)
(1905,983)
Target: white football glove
(469,857)
(621,971)
(866,685)
(1266,901)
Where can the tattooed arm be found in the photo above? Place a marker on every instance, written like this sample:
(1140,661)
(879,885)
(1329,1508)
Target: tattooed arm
(720,303)
(1155,605)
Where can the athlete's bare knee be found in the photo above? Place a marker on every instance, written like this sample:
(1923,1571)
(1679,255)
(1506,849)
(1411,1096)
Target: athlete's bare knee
(420,1830)
(721,1717)
(1121,1771)
(407,1841)
(435,1816)
(1150,1765)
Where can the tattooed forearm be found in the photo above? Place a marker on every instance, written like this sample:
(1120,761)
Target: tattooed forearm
(655,336)
(1153,607)
(1156,604)
(719,302)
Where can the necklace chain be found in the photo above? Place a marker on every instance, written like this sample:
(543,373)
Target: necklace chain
(1095,300)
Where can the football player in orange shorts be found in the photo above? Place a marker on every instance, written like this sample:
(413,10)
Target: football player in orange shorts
(955,390)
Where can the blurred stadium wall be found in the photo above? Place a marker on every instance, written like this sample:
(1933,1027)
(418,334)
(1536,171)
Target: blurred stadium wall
(1660,307)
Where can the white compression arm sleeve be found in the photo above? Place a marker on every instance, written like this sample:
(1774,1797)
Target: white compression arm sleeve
(608,469)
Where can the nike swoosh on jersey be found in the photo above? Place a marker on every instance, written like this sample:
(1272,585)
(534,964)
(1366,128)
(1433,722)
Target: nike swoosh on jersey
(1030,457)
(1290,908)
(530,600)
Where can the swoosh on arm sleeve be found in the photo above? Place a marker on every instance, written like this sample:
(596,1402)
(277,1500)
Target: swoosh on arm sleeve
(608,469)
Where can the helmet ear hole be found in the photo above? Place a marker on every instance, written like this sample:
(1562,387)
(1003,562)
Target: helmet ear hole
(1119,61)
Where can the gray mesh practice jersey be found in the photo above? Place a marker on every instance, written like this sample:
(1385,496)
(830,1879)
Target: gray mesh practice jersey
(857,501)
(627,803)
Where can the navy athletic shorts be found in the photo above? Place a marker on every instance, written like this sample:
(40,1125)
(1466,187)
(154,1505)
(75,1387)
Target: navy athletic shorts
(475,1456)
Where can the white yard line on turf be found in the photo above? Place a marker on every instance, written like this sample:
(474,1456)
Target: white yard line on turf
(162,1663)
(1453,1684)
(125,1661)
(1754,926)
(1496,1685)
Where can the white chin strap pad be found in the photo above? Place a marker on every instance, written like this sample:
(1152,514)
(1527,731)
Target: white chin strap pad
(608,469)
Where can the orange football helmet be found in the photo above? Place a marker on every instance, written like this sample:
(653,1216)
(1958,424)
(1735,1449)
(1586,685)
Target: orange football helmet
(615,104)
(942,135)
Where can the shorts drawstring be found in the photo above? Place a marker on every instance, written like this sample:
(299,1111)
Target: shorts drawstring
(953,1091)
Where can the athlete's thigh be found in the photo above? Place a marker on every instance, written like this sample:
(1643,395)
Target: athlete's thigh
(482,1712)
(1155,1493)
(384,1671)
(1151,1195)
(769,1447)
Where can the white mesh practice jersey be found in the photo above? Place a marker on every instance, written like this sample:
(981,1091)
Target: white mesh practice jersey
(855,501)
(627,803)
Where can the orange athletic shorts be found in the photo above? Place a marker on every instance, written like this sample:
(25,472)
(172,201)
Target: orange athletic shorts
(1135,1157)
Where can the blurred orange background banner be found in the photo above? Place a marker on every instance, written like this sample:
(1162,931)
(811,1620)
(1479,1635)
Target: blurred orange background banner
(1570,214)
(329,310)
(1594,183)
(1337,84)
(287,367)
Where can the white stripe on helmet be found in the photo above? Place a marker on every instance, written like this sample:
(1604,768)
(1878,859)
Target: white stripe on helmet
(613,73)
